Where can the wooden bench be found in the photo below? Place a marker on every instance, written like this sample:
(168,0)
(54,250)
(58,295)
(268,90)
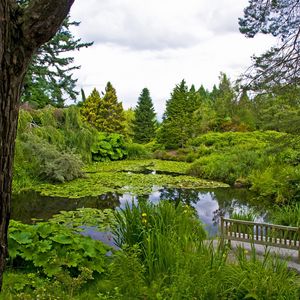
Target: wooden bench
(261,233)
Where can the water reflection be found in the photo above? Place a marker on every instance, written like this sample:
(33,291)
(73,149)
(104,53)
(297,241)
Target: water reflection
(209,204)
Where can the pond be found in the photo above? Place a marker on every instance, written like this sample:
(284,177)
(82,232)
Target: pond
(209,204)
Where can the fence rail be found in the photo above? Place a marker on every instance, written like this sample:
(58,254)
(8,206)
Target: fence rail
(261,233)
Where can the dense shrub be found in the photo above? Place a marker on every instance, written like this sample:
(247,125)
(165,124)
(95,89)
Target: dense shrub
(46,162)
(51,145)
(266,161)
(109,147)
(137,151)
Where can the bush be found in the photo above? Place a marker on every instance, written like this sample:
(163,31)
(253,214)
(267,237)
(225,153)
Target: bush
(47,163)
(66,167)
(137,151)
(227,167)
(109,147)
(55,251)
(277,182)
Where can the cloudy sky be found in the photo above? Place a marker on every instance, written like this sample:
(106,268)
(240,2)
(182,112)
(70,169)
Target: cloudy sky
(157,43)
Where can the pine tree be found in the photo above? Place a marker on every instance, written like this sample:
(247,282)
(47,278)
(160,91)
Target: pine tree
(177,126)
(144,124)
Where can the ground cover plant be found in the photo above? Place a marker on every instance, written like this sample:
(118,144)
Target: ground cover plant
(164,255)
(133,177)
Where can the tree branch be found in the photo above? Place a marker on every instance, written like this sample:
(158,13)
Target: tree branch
(41,19)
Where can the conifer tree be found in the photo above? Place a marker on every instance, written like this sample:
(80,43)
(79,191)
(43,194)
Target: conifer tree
(106,114)
(144,124)
(177,126)
(110,114)
(49,79)
(90,106)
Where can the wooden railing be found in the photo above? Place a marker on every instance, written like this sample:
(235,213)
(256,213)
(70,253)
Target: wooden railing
(261,233)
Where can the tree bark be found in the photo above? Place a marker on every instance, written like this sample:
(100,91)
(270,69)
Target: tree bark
(22,31)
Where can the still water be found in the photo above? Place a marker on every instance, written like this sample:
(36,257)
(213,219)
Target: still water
(209,204)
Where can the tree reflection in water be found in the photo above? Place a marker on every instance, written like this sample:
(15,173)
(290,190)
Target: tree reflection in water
(209,204)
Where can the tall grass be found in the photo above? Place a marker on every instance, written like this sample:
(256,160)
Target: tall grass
(288,215)
(162,232)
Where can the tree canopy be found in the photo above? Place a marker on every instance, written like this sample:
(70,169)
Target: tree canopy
(49,79)
(280,65)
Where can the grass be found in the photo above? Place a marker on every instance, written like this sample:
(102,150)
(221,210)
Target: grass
(288,215)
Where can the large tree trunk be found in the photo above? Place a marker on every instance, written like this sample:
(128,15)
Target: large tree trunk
(22,31)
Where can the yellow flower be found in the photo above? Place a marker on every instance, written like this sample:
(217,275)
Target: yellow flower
(144,215)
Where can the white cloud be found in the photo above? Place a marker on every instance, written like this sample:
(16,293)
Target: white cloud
(157,43)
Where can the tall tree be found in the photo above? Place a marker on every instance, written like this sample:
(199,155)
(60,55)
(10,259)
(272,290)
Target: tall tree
(177,126)
(49,79)
(281,64)
(224,102)
(22,31)
(110,112)
(90,107)
(145,118)
(106,114)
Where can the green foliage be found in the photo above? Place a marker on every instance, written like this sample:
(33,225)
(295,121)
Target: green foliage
(106,114)
(109,147)
(162,232)
(177,126)
(49,78)
(55,250)
(126,177)
(89,107)
(267,161)
(278,182)
(129,117)
(145,119)
(137,151)
(287,215)
(51,144)
(246,216)
(255,278)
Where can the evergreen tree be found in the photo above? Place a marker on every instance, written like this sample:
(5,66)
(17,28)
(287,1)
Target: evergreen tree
(144,124)
(49,79)
(89,109)
(177,126)
(110,112)
(106,114)
(224,99)
(280,65)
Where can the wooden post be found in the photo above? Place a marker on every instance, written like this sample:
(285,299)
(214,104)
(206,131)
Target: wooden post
(299,245)
(222,232)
